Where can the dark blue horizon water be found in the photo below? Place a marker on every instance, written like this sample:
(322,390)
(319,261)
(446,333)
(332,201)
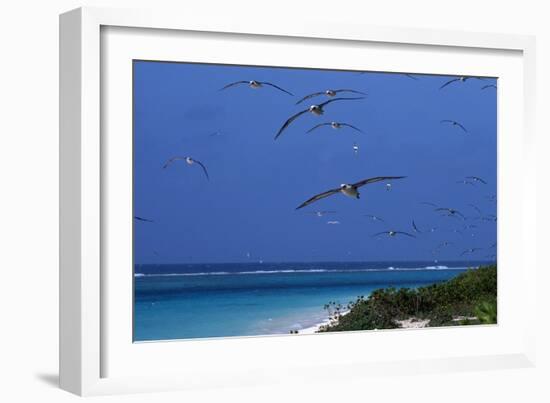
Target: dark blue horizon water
(175,301)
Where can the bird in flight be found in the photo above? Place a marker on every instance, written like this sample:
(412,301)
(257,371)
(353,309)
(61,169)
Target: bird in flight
(355,148)
(256,84)
(471,250)
(476,179)
(322,213)
(316,110)
(333,222)
(335,125)
(388,187)
(329,93)
(415,228)
(454,123)
(394,233)
(189,161)
(347,189)
(374,218)
(488,86)
(451,212)
(142,219)
(461,79)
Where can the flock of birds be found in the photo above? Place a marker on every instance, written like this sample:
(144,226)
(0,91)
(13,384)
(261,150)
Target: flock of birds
(352,189)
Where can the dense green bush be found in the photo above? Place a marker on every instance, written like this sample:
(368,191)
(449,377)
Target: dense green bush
(469,298)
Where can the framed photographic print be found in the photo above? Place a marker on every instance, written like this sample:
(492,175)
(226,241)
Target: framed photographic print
(259,196)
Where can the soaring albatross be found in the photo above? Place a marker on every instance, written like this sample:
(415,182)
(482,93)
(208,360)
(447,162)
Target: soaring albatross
(329,93)
(347,189)
(256,84)
(189,161)
(454,123)
(394,233)
(316,110)
(335,125)
(461,79)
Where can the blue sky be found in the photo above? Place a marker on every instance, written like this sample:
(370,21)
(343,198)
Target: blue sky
(248,206)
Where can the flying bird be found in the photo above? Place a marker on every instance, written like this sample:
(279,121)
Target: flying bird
(411,76)
(189,161)
(415,228)
(347,189)
(256,84)
(142,219)
(374,218)
(316,110)
(451,212)
(454,123)
(461,79)
(471,250)
(335,125)
(321,213)
(333,222)
(476,179)
(488,86)
(394,233)
(388,187)
(329,93)
(355,148)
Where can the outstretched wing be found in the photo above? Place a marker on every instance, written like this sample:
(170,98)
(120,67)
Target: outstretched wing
(415,227)
(142,219)
(405,233)
(339,99)
(233,84)
(318,197)
(315,94)
(351,126)
(462,127)
(203,168)
(167,163)
(276,86)
(376,179)
(352,91)
(488,86)
(289,121)
(449,82)
(477,178)
(318,126)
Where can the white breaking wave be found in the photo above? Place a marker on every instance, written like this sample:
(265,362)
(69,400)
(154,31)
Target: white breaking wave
(224,273)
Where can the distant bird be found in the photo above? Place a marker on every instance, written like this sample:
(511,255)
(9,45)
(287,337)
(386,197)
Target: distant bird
(477,179)
(335,125)
(355,148)
(189,161)
(468,251)
(347,189)
(329,93)
(394,233)
(142,219)
(388,187)
(322,213)
(461,79)
(374,218)
(256,84)
(316,110)
(451,212)
(488,86)
(333,222)
(454,123)
(443,244)
(415,228)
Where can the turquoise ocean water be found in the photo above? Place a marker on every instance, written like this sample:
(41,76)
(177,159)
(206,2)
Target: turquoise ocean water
(246,299)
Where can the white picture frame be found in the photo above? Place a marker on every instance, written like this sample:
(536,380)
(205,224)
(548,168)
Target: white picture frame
(93,329)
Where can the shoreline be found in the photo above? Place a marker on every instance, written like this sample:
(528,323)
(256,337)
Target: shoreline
(315,328)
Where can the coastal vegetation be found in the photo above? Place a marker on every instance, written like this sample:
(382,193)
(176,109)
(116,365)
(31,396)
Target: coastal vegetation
(469,298)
